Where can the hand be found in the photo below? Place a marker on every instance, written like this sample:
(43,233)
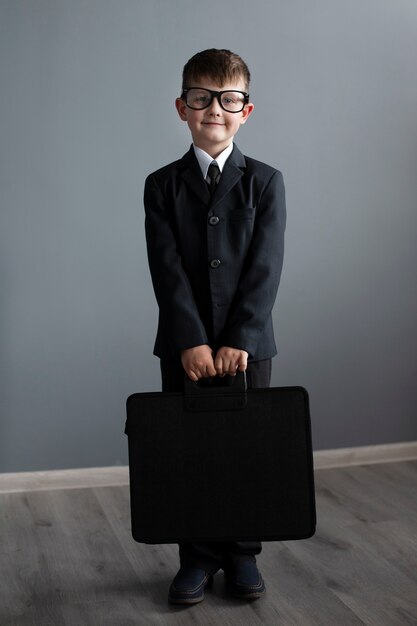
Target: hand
(230,360)
(198,362)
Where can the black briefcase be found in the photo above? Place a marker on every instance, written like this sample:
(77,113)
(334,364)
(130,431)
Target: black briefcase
(221,463)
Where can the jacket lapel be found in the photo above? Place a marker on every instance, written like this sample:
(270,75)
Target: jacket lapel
(231,174)
(191,173)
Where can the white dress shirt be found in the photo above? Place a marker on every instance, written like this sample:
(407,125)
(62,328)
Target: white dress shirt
(204,159)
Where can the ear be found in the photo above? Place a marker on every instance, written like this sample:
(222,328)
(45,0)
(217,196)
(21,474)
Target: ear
(246,112)
(181,108)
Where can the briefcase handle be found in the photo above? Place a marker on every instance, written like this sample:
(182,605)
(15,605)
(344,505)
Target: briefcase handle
(216,394)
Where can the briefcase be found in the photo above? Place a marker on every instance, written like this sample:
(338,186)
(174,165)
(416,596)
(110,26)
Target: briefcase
(221,463)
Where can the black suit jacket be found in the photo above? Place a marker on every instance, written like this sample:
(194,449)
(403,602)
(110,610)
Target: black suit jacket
(215,262)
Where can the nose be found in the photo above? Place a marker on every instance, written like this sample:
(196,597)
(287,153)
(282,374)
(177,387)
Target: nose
(214,108)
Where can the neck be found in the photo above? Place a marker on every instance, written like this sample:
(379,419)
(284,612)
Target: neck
(213,151)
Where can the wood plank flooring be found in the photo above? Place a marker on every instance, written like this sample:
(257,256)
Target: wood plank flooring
(67,558)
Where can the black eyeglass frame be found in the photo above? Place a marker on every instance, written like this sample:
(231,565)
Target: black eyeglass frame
(217,95)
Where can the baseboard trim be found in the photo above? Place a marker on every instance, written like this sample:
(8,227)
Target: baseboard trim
(118,476)
(64,479)
(365,455)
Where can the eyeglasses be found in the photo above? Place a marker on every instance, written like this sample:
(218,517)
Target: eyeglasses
(232,101)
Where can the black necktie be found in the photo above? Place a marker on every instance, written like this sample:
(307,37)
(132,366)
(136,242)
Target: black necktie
(214,175)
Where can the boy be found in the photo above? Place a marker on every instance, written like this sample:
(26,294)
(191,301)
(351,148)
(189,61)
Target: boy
(215,224)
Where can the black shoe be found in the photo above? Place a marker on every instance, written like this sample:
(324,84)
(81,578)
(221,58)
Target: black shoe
(244,580)
(188,586)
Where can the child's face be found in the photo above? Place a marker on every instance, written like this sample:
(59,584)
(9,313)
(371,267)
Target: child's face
(213,129)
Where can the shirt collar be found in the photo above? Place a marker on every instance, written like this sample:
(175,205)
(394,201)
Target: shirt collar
(205,159)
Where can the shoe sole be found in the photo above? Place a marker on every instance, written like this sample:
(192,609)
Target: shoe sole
(185,600)
(248,594)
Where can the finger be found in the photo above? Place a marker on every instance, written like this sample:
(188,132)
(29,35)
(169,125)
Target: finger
(243,362)
(206,369)
(200,372)
(229,367)
(218,365)
(192,376)
(198,368)
(211,370)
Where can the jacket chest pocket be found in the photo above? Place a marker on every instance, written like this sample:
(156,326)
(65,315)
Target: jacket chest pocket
(245,213)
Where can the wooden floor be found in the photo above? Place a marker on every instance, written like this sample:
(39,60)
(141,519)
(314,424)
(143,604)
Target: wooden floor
(67,558)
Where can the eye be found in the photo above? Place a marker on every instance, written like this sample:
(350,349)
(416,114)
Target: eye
(198,98)
(202,99)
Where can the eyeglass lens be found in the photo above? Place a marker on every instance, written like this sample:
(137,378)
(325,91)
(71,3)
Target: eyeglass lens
(232,101)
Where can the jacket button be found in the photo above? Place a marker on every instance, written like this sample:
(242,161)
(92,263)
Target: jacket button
(215,263)
(213,220)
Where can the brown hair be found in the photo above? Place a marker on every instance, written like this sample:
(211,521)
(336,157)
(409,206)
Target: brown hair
(219,65)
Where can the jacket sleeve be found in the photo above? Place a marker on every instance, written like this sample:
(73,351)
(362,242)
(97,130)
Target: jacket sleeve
(258,285)
(178,313)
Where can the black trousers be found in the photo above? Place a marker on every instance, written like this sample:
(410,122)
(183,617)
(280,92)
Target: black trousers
(215,555)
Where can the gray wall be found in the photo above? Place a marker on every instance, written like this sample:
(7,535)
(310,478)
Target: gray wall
(86,111)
